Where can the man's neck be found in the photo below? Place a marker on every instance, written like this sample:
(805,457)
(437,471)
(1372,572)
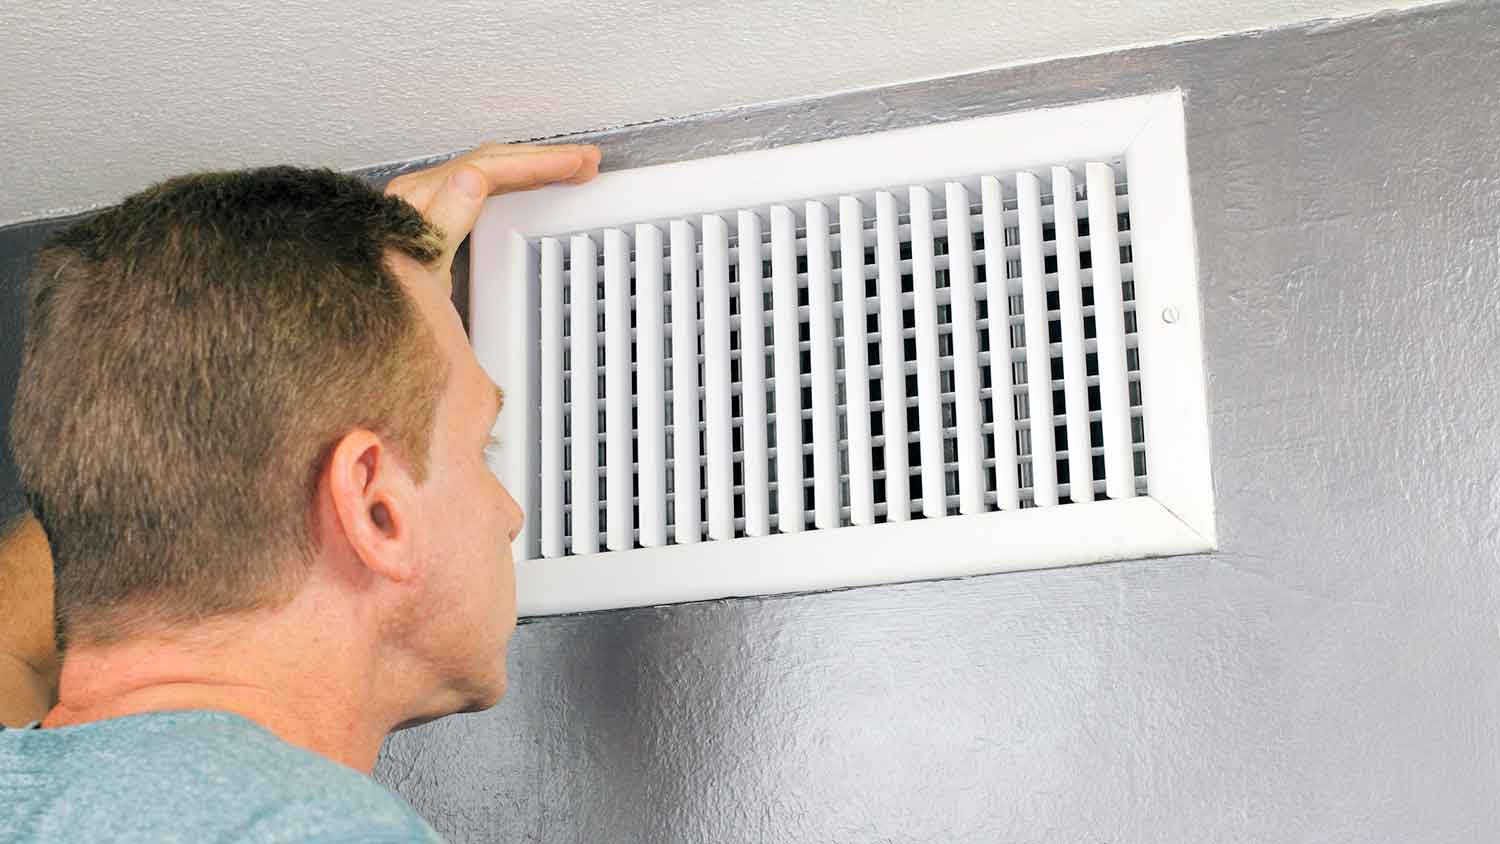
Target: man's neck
(321,692)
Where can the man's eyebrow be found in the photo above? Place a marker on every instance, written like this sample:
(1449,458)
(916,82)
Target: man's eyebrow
(499,401)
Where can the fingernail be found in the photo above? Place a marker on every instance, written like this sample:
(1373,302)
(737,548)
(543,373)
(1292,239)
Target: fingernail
(467,182)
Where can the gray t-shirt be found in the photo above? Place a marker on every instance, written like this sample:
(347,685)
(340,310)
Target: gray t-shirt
(190,776)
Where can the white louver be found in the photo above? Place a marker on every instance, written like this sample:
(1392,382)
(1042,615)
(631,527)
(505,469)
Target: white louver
(815,366)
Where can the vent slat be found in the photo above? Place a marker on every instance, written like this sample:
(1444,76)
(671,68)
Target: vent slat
(939,262)
(686,520)
(881,473)
(929,407)
(856,360)
(966,363)
(1070,299)
(1063,489)
(910,368)
(650,372)
(716,400)
(892,382)
(1003,436)
(1114,391)
(619,522)
(752,334)
(907,300)
(583,456)
(880,439)
(551,514)
(1034,305)
(789,508)
(825,425)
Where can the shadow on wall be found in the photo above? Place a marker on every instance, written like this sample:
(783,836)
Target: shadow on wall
(18,245)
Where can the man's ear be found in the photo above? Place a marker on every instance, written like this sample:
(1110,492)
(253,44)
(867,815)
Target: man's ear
(371,495)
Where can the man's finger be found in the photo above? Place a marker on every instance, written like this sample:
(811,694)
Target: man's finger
(533,168)
(590,167)
(454,206)
(503,150)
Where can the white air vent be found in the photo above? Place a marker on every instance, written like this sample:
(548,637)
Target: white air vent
(949,350)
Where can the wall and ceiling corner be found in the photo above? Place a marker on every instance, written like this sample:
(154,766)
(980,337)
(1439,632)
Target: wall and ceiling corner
(1331,674)
(102,100)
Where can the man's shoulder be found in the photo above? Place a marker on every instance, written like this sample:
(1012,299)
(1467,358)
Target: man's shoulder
(222,747)
(161,775)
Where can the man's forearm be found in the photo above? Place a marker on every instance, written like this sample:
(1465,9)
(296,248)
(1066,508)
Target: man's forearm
(25,693)
(28,654)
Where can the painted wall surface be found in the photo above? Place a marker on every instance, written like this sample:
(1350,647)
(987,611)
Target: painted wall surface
(1331,675)
(100,99)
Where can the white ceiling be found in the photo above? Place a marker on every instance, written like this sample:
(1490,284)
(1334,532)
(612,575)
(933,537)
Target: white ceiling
(100,99)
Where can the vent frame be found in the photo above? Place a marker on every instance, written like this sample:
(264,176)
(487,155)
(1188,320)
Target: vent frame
(1175,516)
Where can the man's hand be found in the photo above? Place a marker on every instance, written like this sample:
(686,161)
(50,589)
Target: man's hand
(451,194)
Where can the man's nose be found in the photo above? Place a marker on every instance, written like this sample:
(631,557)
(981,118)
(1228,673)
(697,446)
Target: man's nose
(513,514)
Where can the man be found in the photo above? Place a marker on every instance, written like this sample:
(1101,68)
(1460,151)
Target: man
(250,423)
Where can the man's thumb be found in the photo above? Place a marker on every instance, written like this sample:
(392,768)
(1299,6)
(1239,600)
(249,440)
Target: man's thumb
(456,206)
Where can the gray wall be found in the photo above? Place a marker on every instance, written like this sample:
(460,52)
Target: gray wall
(1331,675)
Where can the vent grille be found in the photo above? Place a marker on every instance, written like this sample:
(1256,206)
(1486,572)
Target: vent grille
(929,352)
(670,350)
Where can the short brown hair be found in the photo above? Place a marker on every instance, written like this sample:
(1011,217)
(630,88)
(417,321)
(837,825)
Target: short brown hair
(191,356)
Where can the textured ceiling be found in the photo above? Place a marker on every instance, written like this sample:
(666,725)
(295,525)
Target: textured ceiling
(100,99)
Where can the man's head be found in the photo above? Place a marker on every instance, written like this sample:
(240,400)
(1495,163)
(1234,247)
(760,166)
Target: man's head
(234,379)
